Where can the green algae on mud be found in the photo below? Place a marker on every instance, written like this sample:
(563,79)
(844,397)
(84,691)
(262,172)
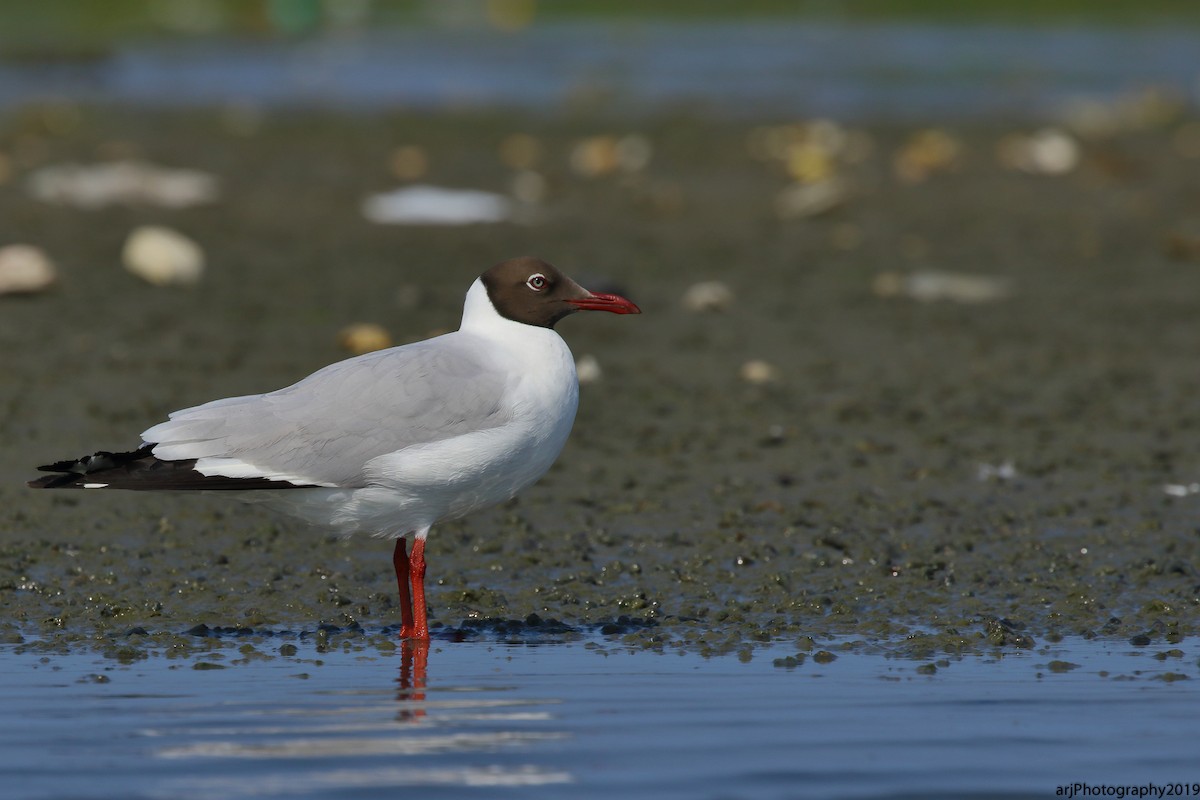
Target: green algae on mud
(846,497)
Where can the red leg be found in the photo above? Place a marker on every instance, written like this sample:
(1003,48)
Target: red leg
(400,562)
(420,623)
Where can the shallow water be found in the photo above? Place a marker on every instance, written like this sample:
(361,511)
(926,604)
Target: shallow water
(488,719)
(851,71)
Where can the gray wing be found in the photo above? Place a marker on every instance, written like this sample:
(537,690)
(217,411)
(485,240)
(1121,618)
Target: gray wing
(326,427)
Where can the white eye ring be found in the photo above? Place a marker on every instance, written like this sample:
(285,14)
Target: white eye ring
(537,281)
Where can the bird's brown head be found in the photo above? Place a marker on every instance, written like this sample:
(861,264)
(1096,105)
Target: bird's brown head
(530,291)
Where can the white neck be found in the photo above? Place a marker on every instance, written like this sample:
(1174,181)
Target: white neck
(478,309)
(481,318)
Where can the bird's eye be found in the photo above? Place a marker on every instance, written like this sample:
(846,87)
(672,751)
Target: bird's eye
(537,281)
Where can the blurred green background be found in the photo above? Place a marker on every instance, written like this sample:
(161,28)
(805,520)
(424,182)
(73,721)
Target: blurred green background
(33,26)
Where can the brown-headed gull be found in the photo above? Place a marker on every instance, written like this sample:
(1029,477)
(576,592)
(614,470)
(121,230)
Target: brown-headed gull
(392,442)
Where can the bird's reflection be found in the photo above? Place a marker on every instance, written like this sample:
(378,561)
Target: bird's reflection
(410,693)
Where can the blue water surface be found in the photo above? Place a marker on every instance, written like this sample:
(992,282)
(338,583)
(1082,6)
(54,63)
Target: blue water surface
(783,67)
(481,719)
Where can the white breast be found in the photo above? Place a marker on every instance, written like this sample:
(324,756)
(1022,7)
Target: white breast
(412,488)
(453,477)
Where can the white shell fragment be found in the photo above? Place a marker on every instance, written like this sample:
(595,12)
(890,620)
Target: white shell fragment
(163,257)
(135,182)
(435,205)
(708,296)
(588,370)
(1049,151)
(930,286)
(25,269)
(1004,471)
(1181,489)
(758,372)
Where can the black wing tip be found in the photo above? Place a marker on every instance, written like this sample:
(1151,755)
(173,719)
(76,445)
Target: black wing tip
(98,461)
(71,472)
(140,469)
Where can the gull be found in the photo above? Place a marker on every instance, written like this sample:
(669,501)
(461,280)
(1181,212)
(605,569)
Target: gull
(391,442)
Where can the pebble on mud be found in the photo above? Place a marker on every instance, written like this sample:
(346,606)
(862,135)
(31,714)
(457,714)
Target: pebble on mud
(601,155)
(588,370)
(1004,471)
(163,257)
(435,205)
(363,337)
(931,285)
(1049,151)
(25,269)
(708,296)
(758,372)
(520,151)
(409,162)
(926,153)
(97,185)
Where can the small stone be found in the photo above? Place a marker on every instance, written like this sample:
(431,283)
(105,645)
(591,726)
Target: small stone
(927,152)
(94,186)
(1004,471)
(594,156)
(758,372)
(1049,151)
(810,161)
(708,296)
(588,370)
(363,337)
(163,257)
(600,155)
(409,162)
(25,269)
(520,151)
(436,205)
(932,285)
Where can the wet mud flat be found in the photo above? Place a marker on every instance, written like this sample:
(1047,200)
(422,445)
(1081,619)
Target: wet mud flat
(828,452)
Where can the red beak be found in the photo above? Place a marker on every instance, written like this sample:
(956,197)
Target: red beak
(596,301)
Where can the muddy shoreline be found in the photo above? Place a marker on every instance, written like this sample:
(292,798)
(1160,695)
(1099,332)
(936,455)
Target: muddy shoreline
(938,476)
